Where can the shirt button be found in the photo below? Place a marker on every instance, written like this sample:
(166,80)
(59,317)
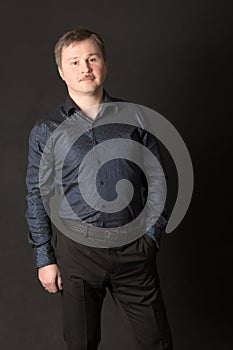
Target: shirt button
(101,182)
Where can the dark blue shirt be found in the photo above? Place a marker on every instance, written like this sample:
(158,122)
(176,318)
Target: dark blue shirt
(37,216)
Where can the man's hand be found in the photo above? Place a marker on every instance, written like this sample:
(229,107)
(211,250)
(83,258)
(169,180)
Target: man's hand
(50,278)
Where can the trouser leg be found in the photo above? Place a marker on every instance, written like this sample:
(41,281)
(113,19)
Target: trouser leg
(82,306)
(136,288)
(83,294)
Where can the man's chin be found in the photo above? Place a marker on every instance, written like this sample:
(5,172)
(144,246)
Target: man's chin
(91,90)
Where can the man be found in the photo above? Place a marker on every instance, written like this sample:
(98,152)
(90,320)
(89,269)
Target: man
(82,272)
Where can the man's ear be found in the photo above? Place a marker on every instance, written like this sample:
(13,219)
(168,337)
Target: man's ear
(61,73)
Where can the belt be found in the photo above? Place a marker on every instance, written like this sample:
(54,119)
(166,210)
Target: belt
(97,233)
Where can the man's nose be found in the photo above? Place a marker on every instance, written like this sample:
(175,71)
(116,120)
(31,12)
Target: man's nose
(85,67)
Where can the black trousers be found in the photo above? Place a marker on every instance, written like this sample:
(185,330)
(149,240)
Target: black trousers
(130,274)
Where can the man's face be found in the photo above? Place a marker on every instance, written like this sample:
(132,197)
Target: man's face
(83,68)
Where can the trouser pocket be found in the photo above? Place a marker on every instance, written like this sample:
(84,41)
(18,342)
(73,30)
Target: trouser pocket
(150,241)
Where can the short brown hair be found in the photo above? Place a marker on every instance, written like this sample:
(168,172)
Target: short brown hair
(76,35)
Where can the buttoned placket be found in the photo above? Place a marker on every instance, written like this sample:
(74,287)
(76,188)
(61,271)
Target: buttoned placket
(91,133)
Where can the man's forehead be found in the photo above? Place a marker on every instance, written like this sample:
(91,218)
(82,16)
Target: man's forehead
(82,46)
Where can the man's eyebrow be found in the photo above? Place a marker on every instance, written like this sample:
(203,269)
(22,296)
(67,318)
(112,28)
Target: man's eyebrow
(90,54)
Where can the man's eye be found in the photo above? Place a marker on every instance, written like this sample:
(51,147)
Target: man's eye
(92,59)
(75,63)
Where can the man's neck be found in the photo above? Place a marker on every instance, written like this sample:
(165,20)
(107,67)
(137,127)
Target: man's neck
(88,103)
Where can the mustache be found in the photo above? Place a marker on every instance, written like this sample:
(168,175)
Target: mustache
(87,76)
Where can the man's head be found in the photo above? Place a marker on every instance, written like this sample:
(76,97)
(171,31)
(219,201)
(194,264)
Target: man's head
(74,36)
(82,63)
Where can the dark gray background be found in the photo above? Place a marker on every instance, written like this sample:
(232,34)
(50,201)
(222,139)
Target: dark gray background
(174,57)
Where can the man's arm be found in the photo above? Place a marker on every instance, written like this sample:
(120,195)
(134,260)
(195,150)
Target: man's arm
(37,218)
(150,142)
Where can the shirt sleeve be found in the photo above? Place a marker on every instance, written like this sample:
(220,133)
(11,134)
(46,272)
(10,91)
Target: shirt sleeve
(39,223)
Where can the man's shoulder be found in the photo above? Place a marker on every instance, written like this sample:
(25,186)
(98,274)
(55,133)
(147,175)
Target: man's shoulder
(44,127)
(54,118)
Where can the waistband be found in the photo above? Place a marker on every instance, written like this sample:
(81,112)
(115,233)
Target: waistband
(113,237)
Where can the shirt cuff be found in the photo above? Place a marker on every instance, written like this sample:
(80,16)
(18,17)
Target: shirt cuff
(44,255)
